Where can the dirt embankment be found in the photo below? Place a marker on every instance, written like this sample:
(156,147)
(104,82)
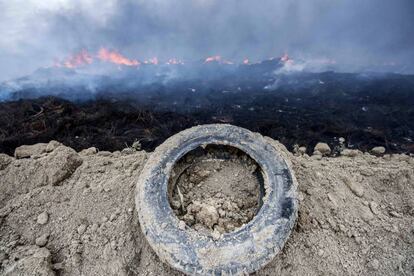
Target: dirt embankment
(69,213)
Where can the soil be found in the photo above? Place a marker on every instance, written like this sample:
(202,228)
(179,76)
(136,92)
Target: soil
(69,213)
(215,189)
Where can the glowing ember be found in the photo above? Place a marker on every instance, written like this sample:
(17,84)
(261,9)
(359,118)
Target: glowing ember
(79,59)
(115,57)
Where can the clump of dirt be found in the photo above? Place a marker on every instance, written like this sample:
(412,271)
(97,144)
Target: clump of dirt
(215,189)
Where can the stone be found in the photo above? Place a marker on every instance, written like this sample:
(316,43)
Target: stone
(208,215)
(42,240)
(374,208)
(65,161)
(395,214)
(52,145)
(216,235)
(43,218)
(349,152)
(5,161)
(302,150)
(27,151)
(378,150)
(354,187)
(88,152)
(104,153)
(81,229)
(323,148)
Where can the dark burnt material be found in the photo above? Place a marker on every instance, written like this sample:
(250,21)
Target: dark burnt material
(301,109)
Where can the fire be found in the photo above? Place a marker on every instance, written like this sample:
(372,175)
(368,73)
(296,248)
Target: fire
(115,57)
(285,58)
(78,59)
(213,58)
(246,61)
(153,60)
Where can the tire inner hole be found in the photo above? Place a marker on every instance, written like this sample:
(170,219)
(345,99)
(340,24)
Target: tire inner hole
(216,189)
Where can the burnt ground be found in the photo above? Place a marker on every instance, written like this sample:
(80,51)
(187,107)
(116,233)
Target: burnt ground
(298,109)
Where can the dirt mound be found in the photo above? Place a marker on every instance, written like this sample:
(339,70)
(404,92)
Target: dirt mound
(73,214)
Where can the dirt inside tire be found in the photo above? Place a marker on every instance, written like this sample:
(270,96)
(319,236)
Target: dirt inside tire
(216,189)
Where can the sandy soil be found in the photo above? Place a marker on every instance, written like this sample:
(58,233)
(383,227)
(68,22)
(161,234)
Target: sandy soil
(69,213)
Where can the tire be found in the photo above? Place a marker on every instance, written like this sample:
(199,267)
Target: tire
(243,251)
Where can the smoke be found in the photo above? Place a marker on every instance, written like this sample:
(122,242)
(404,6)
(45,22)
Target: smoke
(356,34)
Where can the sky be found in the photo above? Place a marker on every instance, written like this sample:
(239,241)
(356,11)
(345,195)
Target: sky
(356,34)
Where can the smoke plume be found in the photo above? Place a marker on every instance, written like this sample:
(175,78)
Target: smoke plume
(356,35)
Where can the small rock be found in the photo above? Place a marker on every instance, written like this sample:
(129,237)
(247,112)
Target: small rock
(81,229)
(323,148)
(302,150)
(216,235)
(208,215)
(181,225)
(88,152)
(349,152)
(65,161)
(29,151)
(374,208)
(5,160)
(42,240)
(105,153)
(354,187)
(43,218)
(52,145)
(316,156)
(378,150)
(396,214)
(366,213)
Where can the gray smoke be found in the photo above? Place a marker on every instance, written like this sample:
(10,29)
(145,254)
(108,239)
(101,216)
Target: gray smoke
(357,34)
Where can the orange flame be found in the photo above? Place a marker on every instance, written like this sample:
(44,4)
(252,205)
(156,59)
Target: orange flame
(115,57)
(79,59)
